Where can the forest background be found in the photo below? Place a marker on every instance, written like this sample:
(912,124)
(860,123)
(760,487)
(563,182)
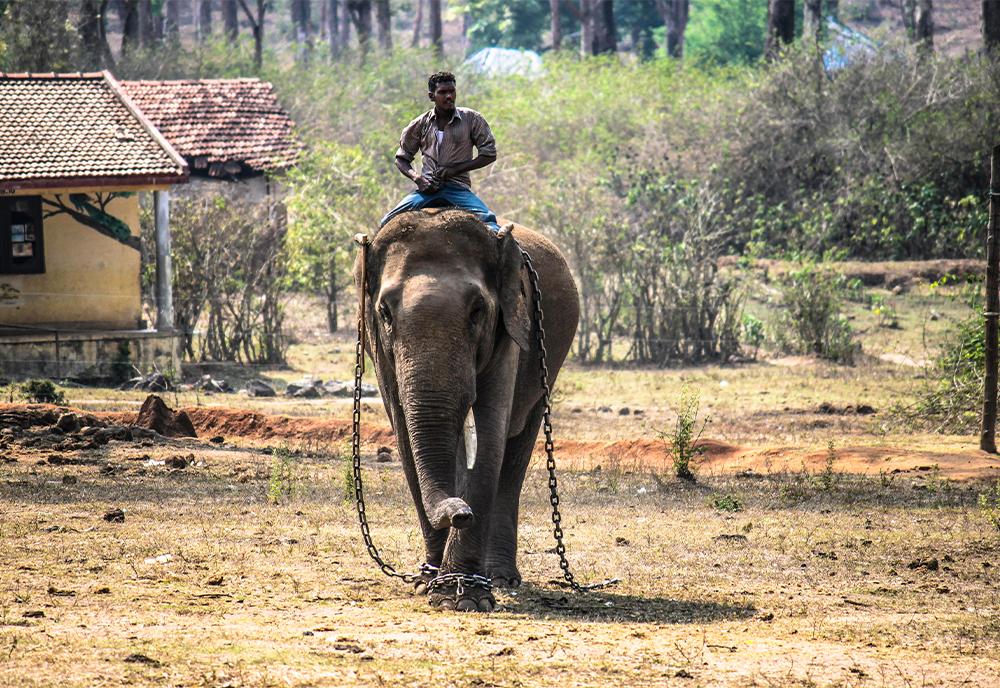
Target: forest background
(659,138)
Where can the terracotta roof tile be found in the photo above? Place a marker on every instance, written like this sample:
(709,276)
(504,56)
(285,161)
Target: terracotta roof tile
(66,127)
(218,121)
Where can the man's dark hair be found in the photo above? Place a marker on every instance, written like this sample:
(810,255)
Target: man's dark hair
(438,78)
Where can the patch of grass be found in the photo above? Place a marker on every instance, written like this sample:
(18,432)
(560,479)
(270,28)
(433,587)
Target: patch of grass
(989,505)
(727,502)
(281,485)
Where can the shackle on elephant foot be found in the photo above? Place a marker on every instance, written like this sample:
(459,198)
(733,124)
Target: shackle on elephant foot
(452,513)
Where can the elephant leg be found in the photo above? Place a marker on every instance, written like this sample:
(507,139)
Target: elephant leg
(501,550)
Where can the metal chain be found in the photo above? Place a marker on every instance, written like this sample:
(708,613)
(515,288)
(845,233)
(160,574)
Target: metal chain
(461,580)
(550,460)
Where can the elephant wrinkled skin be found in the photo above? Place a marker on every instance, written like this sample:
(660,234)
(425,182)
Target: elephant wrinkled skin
(451,328)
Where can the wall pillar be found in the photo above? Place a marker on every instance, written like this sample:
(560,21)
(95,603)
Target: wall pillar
(164,265)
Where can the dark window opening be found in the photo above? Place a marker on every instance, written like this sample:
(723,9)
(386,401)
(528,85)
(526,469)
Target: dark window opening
(21,235)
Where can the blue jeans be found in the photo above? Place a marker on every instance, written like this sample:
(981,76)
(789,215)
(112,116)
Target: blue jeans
(453,194)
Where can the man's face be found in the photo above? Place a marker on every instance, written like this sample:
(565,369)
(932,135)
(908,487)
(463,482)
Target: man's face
(443,96)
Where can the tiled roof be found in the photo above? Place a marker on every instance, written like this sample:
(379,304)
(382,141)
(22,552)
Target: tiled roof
(78,129)
(220,125)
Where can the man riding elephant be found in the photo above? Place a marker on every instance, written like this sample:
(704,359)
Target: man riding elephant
(445,136)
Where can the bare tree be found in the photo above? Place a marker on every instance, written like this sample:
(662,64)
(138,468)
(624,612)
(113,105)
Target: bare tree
(923,25)
(257,27)
(780,26)
(301,12)
(991,25)
(92,27)
(129,10)
(908,8)
(418,22)
(597,21)
(204,19)
(345,24)
(171,20)
(361,17)
(383,13)
(231,18)
(812,19)
(675,18)
(435,27)
(333,27)
(556,26)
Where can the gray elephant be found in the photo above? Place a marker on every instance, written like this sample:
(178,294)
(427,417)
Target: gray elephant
(452,332)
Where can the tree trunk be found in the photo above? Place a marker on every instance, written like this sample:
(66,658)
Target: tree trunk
(605,32)
(556,26)
(923,25)
(89,26)
(909,11)
(345,25)
(418,20)
(302,26)
(675,19)
(780,26)
(812,19)
(171,20)
(205,20)
(991,25)
(231,18)
(361,17)
(383,14)
(436,31)
(147,23)
(130,26)
(257,26)
(833,8)
(586,27)
(333,27)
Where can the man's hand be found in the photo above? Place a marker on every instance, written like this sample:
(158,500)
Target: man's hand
(426,184)
(443,174)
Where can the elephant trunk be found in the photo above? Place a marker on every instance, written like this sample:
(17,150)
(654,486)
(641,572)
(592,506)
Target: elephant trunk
(434,422)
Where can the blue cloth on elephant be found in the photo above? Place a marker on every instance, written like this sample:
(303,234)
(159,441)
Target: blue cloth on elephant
(449,194)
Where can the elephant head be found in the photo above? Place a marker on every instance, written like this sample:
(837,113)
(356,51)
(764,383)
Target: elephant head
(447,315)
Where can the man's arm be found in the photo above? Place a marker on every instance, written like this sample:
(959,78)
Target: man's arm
(409,144)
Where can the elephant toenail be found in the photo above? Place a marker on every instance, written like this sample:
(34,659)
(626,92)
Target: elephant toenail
(466,606)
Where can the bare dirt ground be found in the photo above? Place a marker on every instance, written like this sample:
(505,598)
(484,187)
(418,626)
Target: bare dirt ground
(239,564)
(823,544)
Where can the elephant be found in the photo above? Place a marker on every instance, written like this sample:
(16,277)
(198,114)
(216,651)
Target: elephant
(452,331)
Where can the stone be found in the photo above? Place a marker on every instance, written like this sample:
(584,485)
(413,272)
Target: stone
(156,415)
(68,422)
(339,389)
(308,393)
(259,388)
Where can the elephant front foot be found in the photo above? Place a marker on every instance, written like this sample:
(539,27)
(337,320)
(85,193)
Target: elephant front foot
(461,592)
(428,572)
(506,577)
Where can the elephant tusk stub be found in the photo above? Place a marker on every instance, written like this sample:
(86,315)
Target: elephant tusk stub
(471,441)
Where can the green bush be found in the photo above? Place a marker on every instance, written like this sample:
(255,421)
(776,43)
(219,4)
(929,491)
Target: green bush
(682,440)
(42,392)
(812,321)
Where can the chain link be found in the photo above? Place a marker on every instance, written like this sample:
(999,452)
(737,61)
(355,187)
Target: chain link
(461,580)
(550,460)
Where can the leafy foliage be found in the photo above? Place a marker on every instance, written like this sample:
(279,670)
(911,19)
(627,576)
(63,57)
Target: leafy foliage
(334,193)
(682,440)
(811,321)
(42,392)
(726,31)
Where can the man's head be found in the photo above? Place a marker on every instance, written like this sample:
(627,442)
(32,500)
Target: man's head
(441,90)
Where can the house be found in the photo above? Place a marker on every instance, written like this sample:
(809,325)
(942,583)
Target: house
(233,133)
(74,152)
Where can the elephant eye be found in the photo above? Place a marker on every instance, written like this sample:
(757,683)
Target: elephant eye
(385,314)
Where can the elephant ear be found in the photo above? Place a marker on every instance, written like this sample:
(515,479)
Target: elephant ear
(513,291)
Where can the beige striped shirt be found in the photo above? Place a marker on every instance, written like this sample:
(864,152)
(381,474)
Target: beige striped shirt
(466,129)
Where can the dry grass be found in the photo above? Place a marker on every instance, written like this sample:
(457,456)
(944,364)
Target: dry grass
(268,583)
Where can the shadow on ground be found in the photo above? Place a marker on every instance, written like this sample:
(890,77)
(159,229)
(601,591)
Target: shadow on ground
(604,605)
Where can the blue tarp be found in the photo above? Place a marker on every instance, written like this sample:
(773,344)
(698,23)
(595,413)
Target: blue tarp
(505,62)
(844,45)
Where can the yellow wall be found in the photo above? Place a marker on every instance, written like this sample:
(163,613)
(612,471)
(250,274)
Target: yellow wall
(90,280)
